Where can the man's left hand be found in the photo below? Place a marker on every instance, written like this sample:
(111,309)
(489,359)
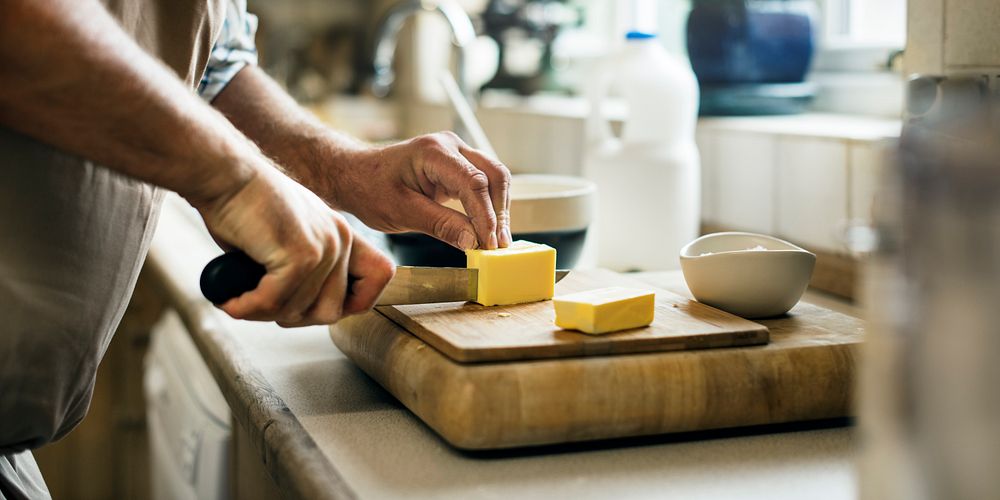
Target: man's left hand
(400,188)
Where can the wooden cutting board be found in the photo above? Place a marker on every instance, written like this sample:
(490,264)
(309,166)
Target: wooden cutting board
(806,372)
(468,332)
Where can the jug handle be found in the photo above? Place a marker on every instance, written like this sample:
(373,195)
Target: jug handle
(598,127)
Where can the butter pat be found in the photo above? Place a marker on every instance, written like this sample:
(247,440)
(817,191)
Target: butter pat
(522,272)
(605,310)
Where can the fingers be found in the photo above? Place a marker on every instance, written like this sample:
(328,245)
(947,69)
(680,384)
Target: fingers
(371,272)
(354,287)
(319,286)
(328,306)
(267,300)
(445,167)
(306,287)
(289,293)
(445,224)
(499,179)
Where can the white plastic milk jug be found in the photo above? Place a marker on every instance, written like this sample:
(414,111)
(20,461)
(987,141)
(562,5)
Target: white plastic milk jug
(649,179)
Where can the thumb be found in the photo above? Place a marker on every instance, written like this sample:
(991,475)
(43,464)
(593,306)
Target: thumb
(370,272)
(446,224)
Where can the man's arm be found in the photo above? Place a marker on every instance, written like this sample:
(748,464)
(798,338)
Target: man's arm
(70,77)
(395,188)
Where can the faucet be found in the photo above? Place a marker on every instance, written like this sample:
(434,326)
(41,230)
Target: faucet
(462,33)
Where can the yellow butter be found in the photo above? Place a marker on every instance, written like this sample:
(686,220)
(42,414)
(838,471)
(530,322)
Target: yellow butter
(605,310)
(522,272)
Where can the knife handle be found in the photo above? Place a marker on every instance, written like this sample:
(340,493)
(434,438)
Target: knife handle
(229,276)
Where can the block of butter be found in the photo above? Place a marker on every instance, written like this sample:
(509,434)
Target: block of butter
(522,272)
(605,310)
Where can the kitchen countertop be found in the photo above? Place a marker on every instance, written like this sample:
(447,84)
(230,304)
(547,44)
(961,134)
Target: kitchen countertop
(325,430)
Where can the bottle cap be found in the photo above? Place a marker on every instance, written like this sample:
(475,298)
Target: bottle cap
(639,35)
(641,18)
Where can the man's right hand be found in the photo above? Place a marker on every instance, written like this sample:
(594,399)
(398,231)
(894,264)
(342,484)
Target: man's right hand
(317,271)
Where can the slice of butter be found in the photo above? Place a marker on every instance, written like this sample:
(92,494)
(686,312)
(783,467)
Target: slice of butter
(605,310)
(522,272)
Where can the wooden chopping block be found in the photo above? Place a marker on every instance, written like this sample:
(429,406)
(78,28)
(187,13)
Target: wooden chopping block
(807,372)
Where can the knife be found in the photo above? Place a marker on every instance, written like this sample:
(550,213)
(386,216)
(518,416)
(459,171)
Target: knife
(231,274)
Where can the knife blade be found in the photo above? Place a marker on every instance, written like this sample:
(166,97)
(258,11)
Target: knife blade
(429,285)
(233,273)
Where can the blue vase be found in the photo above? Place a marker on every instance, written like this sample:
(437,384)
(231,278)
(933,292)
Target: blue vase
(751,41)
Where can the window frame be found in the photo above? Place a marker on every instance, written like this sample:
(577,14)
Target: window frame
(854,76)
(841,52)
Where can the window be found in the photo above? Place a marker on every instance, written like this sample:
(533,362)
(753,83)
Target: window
(864,23)
(860,35)
(855,41)
(852,66)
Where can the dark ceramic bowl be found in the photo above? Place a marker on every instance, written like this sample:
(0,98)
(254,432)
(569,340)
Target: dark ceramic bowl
(550,209)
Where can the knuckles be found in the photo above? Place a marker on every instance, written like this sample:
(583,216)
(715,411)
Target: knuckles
(429,142)
(309,258)
(444,146)
(443,142)
(450,135)
(383,270)
(505,177)
(446,227)
(477,180)
(269,307)
(344,232)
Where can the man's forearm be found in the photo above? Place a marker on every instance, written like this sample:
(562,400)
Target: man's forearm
(70,77)
(395,188)
(296,140)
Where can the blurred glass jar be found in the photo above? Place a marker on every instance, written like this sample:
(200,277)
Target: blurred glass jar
(930,403)
(751,41)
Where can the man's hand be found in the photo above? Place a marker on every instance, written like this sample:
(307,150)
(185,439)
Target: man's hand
(317,271)
(395,188)
(400,187)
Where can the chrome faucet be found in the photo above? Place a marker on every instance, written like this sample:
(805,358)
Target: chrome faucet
(462,33)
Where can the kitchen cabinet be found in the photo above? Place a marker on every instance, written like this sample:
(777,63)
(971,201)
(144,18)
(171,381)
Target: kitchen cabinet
(811,192)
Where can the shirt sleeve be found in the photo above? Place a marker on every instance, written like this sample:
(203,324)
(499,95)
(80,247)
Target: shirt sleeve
(233,50)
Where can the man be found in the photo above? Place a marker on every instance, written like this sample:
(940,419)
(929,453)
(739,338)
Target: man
(97,107)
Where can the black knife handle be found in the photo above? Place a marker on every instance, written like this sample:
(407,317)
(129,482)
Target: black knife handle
(230,275)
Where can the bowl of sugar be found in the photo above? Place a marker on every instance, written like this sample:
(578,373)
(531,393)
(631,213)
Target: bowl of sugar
(747,274)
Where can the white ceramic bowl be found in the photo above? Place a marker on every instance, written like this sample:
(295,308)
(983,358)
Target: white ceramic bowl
(541,203)
(722,271)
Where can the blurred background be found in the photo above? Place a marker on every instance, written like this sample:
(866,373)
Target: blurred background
(862,130)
